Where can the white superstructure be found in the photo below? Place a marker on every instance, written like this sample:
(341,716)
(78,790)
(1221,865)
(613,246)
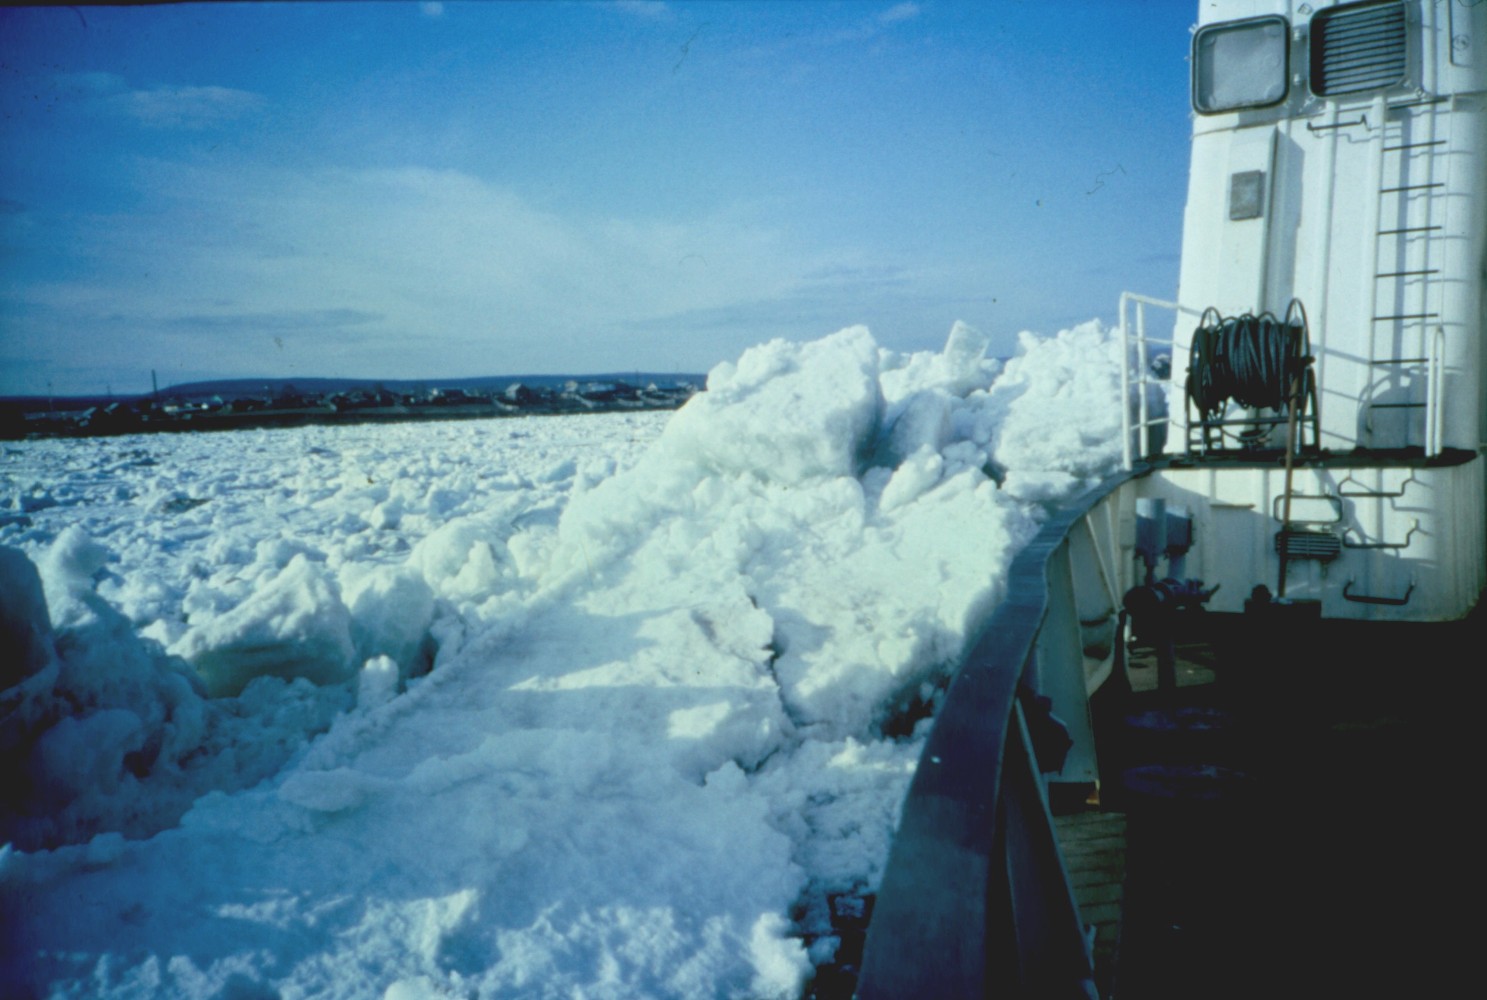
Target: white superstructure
(1339,159)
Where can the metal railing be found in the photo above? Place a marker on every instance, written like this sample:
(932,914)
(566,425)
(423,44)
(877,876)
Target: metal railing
(1137,420)
(975,900)
(1435,376)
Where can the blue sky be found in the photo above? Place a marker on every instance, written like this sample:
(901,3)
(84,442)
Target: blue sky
(393,190)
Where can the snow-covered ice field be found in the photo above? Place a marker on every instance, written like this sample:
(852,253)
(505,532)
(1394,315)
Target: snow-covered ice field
(590,706)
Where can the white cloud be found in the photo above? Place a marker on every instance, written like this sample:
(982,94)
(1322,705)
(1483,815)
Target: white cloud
(164,106)
(414,270)
(186,107)
(431,9)
(874,27)
(655,10)
(88,84)
(899,12)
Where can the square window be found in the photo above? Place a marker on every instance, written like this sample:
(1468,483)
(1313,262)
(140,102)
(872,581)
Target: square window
(1242,64)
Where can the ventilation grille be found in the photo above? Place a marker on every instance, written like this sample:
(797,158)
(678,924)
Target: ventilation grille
(1294,544)
(1360,47)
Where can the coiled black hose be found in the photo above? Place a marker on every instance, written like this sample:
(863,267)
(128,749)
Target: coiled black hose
(1253,360)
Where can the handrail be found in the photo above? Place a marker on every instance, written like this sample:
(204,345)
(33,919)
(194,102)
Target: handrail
(1434,384)
(975,901)
(1134,443)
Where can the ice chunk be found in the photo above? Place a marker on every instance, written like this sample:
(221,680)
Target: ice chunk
(926,392)
(780,961)
(1056,409)
(296,626)
(387,515)
(25,626)
(785,412)
(327,791)
(391,610)
(921,421)
(81,754)
(465,558)
(377,682)
(964,357)
(68,570)
(920,472)
(73,559)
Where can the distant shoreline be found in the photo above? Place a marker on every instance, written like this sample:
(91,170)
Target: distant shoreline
(296,418)
(146,416)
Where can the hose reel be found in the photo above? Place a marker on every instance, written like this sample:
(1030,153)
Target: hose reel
(1260,363)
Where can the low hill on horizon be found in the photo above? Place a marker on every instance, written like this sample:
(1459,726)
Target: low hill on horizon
(274,387)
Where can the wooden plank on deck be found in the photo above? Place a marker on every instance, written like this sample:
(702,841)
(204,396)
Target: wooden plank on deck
(1094,851)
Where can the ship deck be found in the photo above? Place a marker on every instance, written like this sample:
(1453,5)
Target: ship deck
(1294,825)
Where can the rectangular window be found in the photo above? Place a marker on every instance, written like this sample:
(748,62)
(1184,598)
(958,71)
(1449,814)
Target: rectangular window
(1358,47)
(1241,64)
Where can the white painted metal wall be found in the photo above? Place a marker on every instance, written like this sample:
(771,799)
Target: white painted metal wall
(1374,215)
(1411,539)
(1373,212)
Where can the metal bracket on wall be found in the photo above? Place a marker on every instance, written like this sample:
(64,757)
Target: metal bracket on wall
(1369,599)
(1298,508)
(1414,527)
(1314,129)
(1372,494)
